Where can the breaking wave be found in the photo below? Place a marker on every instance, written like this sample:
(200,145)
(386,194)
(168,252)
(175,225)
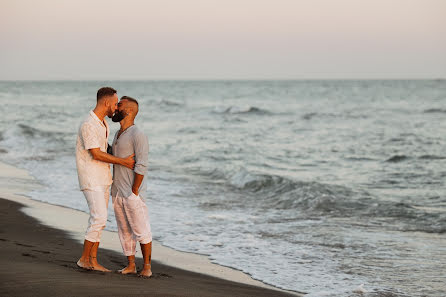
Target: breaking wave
(242,110)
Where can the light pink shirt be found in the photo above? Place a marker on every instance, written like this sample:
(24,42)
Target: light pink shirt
(93,133)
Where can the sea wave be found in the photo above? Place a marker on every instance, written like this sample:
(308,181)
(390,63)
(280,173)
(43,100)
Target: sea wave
(346,115)
(309,198)
(242,110)
(397,158)
(435,110)
(432,157)
(24,141)
(34,132)
(401,158)
(166,102)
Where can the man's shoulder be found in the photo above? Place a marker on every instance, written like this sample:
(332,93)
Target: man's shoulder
(86,123)
(138,133)
(89,121)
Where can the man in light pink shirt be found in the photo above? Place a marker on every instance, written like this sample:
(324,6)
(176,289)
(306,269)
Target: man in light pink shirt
(93,168)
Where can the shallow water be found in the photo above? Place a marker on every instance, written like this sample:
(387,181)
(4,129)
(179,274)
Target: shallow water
(313,186)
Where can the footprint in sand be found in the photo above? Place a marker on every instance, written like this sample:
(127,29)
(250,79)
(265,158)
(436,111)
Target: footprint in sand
(22,244)
(159,275)
(43,252)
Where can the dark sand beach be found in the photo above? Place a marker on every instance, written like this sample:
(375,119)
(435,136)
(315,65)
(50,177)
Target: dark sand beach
(38,260)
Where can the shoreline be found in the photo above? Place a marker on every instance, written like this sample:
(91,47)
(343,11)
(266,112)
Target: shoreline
(73,222)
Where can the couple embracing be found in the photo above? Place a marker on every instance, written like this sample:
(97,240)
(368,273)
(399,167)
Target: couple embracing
(129,156)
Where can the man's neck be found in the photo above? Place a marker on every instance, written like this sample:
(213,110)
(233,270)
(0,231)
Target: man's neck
(125,123)
(100,113)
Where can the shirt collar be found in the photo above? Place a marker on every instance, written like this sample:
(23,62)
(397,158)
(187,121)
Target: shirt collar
(95,117)
(128,128)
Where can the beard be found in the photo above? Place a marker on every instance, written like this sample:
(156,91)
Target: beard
(110,113)
(118,116)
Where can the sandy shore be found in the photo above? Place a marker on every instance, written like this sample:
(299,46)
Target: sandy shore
(39,259)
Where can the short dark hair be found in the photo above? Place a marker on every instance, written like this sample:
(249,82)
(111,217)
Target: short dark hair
(130,99)
(105,91)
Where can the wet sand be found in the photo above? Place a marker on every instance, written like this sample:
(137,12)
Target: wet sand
(38,260)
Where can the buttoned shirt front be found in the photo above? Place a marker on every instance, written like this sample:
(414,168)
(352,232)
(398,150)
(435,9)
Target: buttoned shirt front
(93,133)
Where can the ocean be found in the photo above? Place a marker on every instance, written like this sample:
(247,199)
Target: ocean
(312,186)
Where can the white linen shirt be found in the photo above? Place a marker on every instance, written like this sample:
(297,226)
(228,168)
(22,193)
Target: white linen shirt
(93,133)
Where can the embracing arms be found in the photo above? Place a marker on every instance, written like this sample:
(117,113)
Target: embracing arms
(99,155)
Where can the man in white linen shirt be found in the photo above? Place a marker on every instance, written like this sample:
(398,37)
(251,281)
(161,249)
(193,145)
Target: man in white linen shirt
(94,174)
(129,188)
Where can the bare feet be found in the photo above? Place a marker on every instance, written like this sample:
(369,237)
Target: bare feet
(146,272)
(84,264)
(130,269)
(96,266)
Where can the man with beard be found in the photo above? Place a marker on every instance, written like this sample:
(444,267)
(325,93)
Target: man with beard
(94,174)
(129,187)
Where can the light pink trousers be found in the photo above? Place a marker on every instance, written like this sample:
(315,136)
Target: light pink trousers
(97,200)
(132,218)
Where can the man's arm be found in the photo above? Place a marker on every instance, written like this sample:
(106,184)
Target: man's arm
(91,140)
(99,155)
(137,183)
(141,146)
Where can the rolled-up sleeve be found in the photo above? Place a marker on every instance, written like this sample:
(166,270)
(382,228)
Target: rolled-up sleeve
(141,145)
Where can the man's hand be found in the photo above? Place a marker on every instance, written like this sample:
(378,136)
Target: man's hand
(137,183)
(129,162)
(98,155)
(135,191)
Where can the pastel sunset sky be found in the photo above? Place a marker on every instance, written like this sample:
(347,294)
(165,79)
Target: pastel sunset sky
(225,39)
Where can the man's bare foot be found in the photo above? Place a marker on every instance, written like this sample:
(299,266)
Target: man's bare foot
(96,266)
(84,264)
(146,272)
(129,269)
(99,267)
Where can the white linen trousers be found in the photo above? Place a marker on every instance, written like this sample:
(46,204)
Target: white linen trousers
(132,218)
(97,200)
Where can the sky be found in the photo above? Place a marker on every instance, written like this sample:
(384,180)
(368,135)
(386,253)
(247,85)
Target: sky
(222,39)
